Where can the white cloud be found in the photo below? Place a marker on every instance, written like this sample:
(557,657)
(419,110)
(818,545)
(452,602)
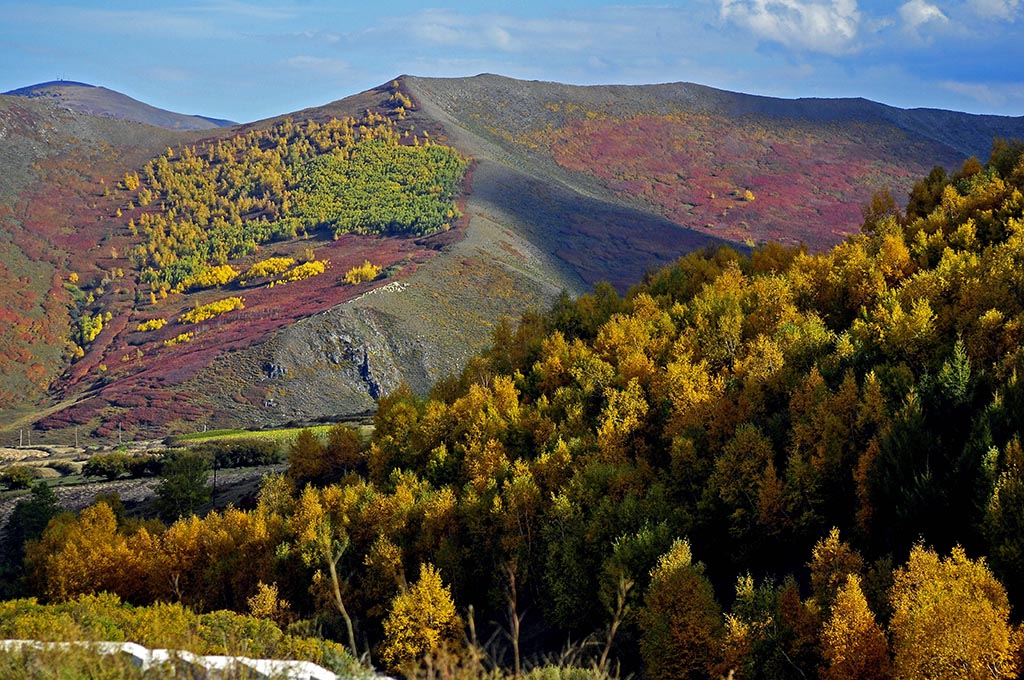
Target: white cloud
(917,13)
(996,9)
(166,24)
(235,9)
(830,26)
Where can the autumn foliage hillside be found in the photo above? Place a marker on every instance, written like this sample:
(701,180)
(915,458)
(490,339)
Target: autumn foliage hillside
(473,199)
(142,253)
(784,465)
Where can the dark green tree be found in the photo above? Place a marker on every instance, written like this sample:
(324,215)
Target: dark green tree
(110,465)
(28,520)
(17,477)
(343,450)
(183,487)
(307,460)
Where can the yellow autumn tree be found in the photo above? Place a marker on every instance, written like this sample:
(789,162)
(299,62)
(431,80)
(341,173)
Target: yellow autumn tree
(265,603)
(367,271)
(422,621)
(832,562)
(322,541)
(78,555)
(852,643)
(950,619)
(307,460)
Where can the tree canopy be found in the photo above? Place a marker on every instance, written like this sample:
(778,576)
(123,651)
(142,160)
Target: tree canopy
(806,422)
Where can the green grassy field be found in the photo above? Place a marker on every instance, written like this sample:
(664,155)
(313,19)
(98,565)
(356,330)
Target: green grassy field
(282,436)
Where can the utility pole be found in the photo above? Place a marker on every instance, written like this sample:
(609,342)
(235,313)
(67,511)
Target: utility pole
(21,437)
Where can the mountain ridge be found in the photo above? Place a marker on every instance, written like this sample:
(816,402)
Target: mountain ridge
(740,104)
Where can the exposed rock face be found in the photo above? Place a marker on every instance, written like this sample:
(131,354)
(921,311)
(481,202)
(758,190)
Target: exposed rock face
(341,362)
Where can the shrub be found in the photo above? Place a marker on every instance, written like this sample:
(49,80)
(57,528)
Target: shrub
(89,327)
(151,325)
(364,272)
(180,338)
(167,626)
(303,271)
(208,277)
(236,453)
(145,465)
(109,465)
(212,310)
(17,477)
(272,266)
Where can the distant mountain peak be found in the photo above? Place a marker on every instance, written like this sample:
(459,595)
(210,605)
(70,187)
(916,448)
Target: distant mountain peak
(95,100)
(39,88)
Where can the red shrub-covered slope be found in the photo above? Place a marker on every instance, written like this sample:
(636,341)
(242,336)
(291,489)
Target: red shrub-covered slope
(806,182)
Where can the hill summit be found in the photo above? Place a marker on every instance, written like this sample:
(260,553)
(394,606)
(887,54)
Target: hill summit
(100,101)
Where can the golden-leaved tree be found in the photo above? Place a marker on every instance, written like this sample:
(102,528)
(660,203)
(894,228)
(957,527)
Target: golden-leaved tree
(422,621)
(950,619)
(852,643)
(680,620)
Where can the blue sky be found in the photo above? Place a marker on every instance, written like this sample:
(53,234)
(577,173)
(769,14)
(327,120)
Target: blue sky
(249,59)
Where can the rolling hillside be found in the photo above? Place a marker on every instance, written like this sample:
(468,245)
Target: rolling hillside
(566,187)
(100,101)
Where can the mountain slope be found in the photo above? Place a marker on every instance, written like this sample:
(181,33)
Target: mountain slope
(53,222)
(99,101)
(691,153)
(568,186)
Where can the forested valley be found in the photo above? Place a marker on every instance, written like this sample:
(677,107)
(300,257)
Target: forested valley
(767,465)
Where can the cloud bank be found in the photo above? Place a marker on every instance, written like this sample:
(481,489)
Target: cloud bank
(827,27)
